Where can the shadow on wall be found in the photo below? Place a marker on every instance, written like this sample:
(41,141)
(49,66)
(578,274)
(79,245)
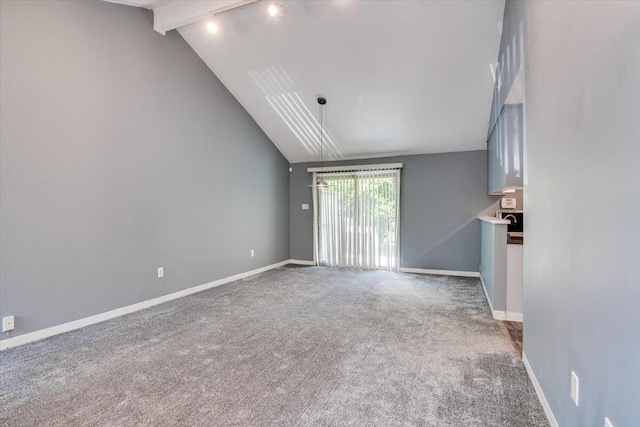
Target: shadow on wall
(450,252)
(451,248)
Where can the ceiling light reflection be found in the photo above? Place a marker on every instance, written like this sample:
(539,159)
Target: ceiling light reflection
(276,10)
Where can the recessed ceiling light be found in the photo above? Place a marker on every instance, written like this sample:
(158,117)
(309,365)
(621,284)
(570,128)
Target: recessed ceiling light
(275,10)
(211,26)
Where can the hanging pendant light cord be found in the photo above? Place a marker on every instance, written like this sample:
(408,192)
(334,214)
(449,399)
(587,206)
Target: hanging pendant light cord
(321,138)
(320,180)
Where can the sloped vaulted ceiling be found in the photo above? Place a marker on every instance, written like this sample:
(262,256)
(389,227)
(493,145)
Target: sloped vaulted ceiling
(401,77)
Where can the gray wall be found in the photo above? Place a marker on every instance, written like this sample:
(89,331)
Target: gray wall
(441,196)
(582,198)
(121,152)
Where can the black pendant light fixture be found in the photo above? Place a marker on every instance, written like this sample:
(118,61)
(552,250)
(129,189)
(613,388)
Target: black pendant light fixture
(320,182)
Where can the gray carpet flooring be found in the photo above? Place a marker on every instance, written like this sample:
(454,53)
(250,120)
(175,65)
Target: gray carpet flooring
(289,347)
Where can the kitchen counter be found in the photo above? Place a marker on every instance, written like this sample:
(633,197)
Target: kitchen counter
(494,220)
(511,240)
(501,260)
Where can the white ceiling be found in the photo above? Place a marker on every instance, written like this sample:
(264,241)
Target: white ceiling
(400,77)
(147,4)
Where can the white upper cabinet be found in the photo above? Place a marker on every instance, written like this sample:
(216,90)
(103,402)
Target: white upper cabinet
(504,151)
(505,138)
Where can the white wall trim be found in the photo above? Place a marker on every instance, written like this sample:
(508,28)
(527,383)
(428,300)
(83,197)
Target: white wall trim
(536,385)
(511,316)
(87,321)
(81,323)
(514,316)
(440,272)
(486,294)
(301,262)
(499,315)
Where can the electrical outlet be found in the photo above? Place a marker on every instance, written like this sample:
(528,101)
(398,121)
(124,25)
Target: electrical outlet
(305,206)
(160,272)
(8,324)
(607,422)
(575,388)
(252,252)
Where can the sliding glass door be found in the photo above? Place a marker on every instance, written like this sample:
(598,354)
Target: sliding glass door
(357,219)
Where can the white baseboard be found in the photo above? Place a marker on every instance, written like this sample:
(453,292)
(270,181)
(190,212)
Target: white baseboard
(486,294)
(511,316)
(514,316)
(440,272)
(301,262)
(536,385)
(80,323)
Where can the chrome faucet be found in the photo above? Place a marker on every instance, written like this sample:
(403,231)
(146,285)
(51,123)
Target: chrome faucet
(514,219)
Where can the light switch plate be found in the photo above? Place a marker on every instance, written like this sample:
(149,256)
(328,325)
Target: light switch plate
(305,206)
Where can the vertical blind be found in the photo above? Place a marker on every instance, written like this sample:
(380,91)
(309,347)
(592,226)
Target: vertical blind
(357,219)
